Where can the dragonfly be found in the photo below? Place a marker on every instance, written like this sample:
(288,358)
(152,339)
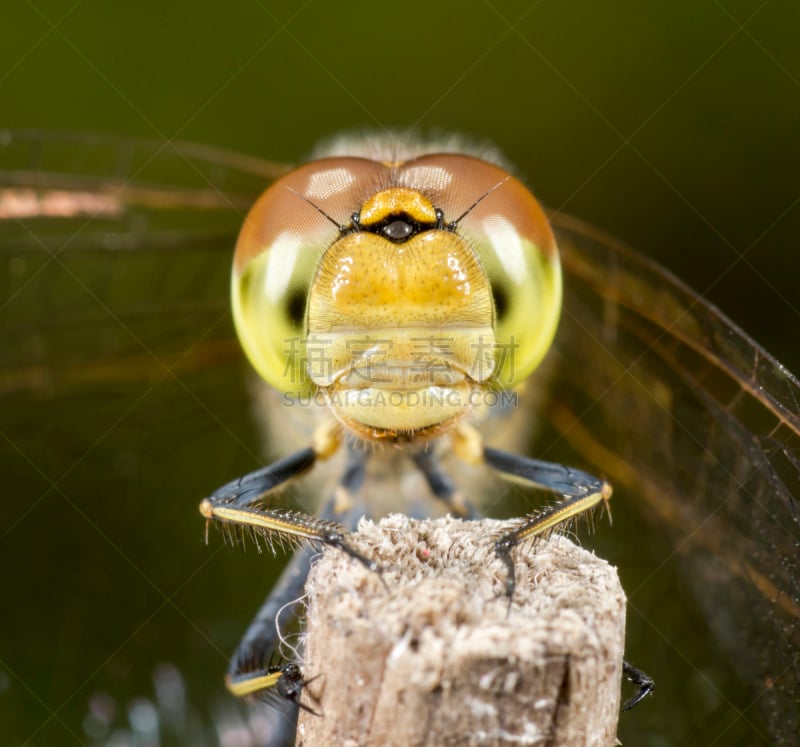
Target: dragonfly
(118,352)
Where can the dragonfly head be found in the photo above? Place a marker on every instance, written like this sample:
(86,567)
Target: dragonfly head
(397,292)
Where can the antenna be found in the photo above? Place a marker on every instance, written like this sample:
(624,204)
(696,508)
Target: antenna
(475,204)
(339,227)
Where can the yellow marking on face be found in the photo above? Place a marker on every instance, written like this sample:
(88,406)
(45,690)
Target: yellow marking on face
(367,282)
(368,411)
(395,201)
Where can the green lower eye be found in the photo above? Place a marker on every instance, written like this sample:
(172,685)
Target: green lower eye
(500,298)
(526,289)
(296,306)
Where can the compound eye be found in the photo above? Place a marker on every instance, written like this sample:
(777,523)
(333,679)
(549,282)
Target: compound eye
(277,255)
(512,238)
(500,300)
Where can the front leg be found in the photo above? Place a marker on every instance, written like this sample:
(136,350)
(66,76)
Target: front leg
(261,638)
(240,504)
(580,492)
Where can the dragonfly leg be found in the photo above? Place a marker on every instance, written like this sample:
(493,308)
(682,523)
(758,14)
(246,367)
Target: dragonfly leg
(260,639)
(443,487)
(643,681)
(240,503)
(248,672)
(580,491)
(282,683)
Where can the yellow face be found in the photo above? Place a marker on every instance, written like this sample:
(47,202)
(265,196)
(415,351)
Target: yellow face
(396,293)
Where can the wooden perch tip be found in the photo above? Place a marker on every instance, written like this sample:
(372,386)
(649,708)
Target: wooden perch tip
(437,659)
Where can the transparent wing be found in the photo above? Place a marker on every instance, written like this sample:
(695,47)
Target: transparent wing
(123,401)
(91,233)
(698,429)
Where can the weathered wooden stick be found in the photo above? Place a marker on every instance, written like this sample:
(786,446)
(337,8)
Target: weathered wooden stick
(437,659)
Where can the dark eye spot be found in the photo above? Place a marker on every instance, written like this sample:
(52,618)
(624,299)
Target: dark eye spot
(296,307)
(398,230)
(501,303)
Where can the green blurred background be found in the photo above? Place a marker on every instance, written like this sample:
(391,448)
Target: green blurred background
(675,126)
